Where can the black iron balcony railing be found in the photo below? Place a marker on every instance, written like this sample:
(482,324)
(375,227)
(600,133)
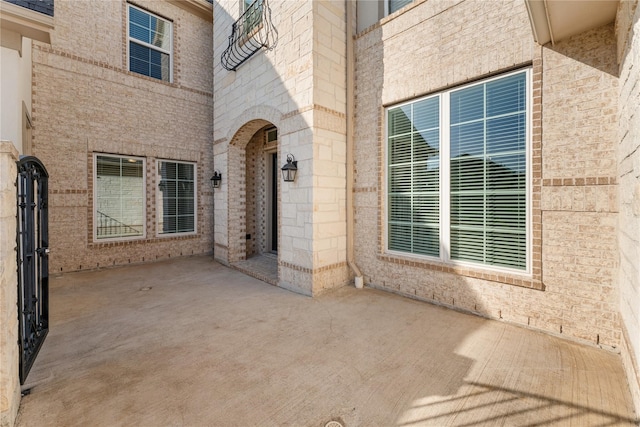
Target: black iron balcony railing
(251,32)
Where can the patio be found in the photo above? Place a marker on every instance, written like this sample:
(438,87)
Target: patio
(189,342)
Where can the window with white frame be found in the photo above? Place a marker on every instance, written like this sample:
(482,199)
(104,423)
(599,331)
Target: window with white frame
(457,174)
(176,201)
(150,44)
(119,197)
(395,5)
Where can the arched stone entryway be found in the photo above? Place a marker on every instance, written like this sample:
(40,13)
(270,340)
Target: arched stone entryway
(253,200)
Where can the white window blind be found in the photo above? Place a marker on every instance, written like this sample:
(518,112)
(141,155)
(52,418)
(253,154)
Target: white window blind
(176,198)
(485,151)
(488,173)
(414,177)
(119,197)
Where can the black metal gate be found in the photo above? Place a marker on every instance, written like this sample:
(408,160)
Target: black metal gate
(33,266)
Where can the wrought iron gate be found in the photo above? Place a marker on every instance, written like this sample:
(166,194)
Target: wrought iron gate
(33,266)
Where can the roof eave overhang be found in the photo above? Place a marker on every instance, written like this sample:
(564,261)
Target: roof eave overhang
(556,20)
(25,22)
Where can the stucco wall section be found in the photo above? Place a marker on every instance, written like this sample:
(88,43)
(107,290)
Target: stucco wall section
(85,101)
(465,40)
(628,31)
(9,381)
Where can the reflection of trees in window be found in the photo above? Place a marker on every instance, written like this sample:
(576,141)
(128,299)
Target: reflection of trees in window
(486,125)
(414,178)
(488,172)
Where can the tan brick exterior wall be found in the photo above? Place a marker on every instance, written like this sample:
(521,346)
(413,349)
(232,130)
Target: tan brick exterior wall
(627,29)
(85,101)
(9,352)
(572,287)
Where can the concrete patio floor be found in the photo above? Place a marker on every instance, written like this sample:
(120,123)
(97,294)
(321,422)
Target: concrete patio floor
(189,342)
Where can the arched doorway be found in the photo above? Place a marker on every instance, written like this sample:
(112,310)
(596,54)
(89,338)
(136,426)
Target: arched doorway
(254,200)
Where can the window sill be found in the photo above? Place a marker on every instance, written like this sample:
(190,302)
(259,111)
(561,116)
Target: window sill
(143,241)
(521,280)
(165,236)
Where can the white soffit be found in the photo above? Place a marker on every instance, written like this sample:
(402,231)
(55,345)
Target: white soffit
(25,22)
(555,20)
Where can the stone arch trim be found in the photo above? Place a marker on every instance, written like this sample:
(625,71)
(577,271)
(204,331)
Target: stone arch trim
(245,125)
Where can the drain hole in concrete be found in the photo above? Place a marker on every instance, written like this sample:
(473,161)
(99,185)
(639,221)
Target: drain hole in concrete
(146,288)
(333,424)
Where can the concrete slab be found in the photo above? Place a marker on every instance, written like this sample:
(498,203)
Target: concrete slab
(192,343)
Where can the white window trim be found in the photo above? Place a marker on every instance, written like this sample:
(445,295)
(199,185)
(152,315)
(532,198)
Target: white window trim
(140,42)
(445,214)
(195,199)
(95,200)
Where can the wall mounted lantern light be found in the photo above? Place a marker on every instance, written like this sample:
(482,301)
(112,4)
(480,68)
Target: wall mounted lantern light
(216,179)
(289,170)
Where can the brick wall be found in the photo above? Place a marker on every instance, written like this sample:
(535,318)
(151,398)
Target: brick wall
(628,171)
(85,101)
(571,289)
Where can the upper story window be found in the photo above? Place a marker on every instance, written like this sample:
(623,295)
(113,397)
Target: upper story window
(252,11)
(150,44)
(395,5)
(457,174)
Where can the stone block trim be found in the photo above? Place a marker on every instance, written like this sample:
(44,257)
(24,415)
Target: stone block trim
(9,351)
(579,182)
(312,270)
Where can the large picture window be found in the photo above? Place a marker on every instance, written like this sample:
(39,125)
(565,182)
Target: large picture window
(150,44)
(176,198)
(119,197)
(457,174)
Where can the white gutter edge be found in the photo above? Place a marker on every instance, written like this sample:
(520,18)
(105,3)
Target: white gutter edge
(538,11)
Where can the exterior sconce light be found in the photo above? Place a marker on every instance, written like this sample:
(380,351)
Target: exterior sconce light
(216,179)
(289,170)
